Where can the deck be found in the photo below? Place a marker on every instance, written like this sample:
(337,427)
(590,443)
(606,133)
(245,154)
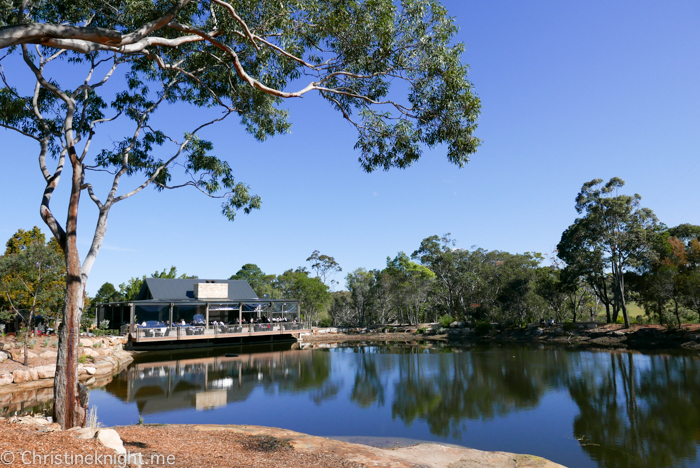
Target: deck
(181,336)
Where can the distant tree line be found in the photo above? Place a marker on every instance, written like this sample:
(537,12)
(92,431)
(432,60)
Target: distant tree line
(614,254)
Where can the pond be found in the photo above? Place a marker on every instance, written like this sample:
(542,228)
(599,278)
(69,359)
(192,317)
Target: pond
(578,408)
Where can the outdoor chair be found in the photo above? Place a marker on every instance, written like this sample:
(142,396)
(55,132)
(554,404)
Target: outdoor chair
(189,331)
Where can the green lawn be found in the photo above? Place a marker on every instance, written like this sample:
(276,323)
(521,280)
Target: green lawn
(634,310)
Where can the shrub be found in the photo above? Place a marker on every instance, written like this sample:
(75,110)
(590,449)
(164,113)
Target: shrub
(483,328)
(104,324)
(569,326)
(46,342)
(82,359)
(108,332)
(421,330)
(31,344)
(325,322)
(97,345)
(446,320)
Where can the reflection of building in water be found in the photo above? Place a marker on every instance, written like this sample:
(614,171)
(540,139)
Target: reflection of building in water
(210,382)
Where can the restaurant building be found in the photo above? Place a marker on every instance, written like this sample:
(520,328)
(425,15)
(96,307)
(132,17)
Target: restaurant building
(177,313)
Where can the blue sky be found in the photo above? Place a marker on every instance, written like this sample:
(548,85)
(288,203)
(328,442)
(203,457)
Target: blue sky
(570,91)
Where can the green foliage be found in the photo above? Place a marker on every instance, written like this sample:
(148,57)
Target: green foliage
(324,266)
(260,282)
(107,332)
(83,359)
(32,278)
(31,344)
(446,320)
(86,322)
(483,328)
(613,235)
(325,322)
(313,295)
(360,283)
(421,330)
(97,344)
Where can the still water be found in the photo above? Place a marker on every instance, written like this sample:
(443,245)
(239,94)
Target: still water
(577,408)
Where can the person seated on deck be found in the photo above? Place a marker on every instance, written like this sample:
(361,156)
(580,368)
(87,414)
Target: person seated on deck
(215,323)
(182,322)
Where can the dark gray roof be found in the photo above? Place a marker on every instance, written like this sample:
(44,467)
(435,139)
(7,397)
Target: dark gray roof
(183,289)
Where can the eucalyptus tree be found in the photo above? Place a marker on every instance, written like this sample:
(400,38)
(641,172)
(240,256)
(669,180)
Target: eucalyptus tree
(31,283)
(411,284)
(313,295)
(257,279)
(325,267)
(359,282)
(586,263)
(614,229)
(436,253)
(341,311)
(240,60)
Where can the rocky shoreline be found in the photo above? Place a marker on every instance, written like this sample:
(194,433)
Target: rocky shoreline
(32,385)
(220,446)
(588,335)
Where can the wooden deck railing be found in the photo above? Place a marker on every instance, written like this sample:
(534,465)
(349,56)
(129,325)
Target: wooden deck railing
(221,331)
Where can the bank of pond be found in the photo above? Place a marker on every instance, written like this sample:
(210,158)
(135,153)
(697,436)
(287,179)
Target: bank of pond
(579,408)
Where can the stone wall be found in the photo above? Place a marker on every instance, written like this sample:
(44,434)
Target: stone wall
(104,356)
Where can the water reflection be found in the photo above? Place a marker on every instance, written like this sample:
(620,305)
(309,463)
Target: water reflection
(578,408)
(209,382)
(637,410)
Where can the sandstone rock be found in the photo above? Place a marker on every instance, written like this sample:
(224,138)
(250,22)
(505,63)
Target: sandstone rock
(44,394)
(91,352)
(86,433)
(6,379)
(48,355)
(455,324)
(537,332)
(52,427)
(4,355)
(33,375)
(86,342)
(110,439)
(21,376)
(46,372)
(90,370)
(135,460)
(34,421)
